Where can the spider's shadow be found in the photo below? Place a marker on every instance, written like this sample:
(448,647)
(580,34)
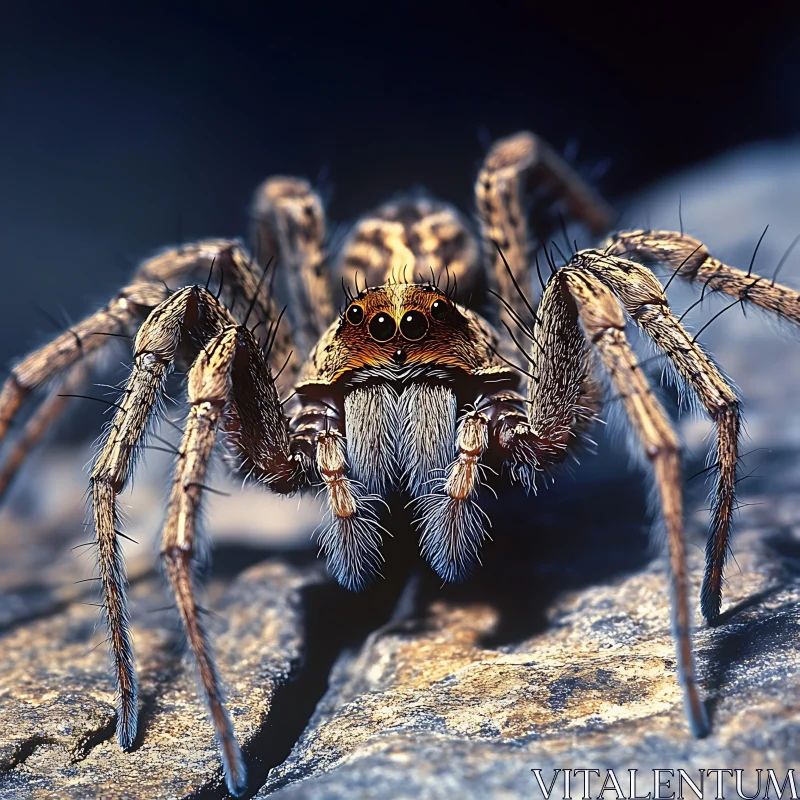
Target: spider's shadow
(574,534)
(570,536)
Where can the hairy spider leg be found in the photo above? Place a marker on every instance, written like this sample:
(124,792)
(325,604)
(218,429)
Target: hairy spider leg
(515,171)
(645,301)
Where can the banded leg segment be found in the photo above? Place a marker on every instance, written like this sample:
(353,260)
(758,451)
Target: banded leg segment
(529,435)
(155,349)
(225,263)
(644,299)
(209,385)
(514,168)
(50,410)
(229,387)
(604,324)
(82,342)
(563,397)
(690,259)
(234,271)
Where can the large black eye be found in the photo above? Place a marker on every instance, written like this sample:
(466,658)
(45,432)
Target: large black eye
(439,309)
(414,325)
(355,314)
(382,327)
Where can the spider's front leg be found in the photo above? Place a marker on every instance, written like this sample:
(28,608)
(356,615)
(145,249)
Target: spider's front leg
(225,360)
(578,309)
(229,384)
(646,302)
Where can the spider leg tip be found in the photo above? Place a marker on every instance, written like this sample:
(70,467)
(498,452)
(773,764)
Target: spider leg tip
(235,769)
(698,722)
(126,731)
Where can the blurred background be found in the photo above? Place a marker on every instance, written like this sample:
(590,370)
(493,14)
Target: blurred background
(124,129)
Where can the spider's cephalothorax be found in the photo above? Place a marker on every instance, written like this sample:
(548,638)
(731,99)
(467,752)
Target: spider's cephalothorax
(393,375)
(408,390)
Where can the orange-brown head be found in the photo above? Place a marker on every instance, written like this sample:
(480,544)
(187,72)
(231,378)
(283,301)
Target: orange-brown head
(397,326)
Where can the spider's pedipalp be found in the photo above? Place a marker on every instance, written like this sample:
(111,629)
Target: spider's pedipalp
(514,442)
(451,523)
(604,325)
(352,538)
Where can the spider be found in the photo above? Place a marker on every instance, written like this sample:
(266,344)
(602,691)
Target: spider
(406,390)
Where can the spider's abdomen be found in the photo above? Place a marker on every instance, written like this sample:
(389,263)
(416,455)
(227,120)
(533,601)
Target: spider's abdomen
(414,237)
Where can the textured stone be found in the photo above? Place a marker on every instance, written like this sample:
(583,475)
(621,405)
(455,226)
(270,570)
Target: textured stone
(429,709)
(56,704)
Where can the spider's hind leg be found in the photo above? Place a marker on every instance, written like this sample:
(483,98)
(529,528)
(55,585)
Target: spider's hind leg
(516,170)
(71,355)
(289,225)
(63,365)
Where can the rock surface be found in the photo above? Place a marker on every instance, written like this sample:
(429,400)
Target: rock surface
(56,698)
(432,711)
(57,714)
(556,654)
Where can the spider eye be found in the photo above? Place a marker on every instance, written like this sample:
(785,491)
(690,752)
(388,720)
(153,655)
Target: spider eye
(439,309)
(382,327)
(355,314)
(414,325)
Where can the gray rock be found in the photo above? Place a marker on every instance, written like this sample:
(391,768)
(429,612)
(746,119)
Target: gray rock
(56,704)
(434,712)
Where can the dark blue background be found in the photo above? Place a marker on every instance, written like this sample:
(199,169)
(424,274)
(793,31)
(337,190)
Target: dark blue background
(124,127)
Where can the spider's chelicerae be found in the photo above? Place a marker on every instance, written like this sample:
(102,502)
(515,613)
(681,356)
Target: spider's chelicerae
(406,390)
